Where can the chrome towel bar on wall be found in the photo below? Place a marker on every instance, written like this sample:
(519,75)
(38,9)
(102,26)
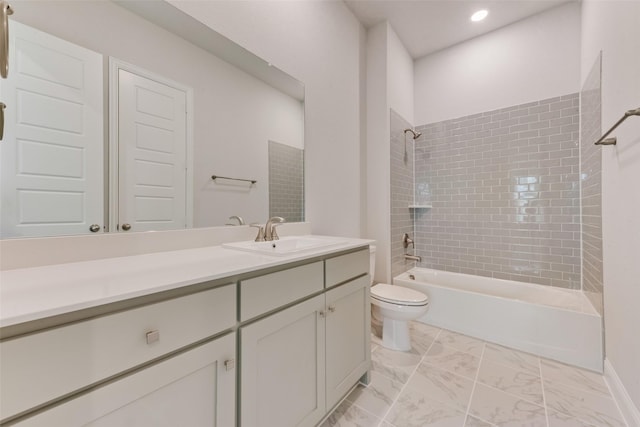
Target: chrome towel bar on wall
(613,141)
(214,177)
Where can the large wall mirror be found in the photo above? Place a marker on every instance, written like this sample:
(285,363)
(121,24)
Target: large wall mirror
(119,115)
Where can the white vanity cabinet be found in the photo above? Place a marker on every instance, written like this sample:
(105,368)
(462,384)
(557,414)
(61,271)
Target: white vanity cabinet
(297,363)
(127,348)
(289,341)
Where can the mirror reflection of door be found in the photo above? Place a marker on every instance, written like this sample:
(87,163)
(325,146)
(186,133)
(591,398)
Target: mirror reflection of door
(152,145)
(52,153)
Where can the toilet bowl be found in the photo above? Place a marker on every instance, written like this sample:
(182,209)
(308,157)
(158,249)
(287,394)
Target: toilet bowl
(394,306)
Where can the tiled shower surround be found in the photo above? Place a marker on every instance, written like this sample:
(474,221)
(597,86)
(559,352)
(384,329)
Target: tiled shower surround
(504,190)
(591,176)
(401,190)
(286,182)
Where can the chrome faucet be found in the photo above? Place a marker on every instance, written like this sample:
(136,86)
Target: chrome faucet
(270,228)
(236,217)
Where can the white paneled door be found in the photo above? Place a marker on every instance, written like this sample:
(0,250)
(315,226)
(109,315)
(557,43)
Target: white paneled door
(52,152)
(152,154)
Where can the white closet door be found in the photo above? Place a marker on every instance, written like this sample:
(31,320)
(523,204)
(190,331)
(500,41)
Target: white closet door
(52,153)
(152,154)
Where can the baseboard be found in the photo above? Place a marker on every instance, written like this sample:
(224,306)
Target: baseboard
(629,410)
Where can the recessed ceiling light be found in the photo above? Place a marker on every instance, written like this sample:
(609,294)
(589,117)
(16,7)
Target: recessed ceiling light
(479,15)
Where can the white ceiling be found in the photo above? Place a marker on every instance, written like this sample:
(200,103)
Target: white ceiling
(426,26)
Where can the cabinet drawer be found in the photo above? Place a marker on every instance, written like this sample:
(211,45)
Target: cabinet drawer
(345,267)
(43,366)
(265,293)
(191,389)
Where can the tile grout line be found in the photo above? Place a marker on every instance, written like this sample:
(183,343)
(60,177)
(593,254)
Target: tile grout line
(384,418)
(544,396)
(475,381)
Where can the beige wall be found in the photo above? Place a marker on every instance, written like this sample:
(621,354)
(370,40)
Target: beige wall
(613,27)
(529,60)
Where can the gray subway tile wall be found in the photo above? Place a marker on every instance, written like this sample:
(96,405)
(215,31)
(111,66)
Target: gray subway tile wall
(591,177)
(402,190)
(286,182)
(504,189)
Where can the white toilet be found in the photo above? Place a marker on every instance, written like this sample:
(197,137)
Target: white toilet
(394,306)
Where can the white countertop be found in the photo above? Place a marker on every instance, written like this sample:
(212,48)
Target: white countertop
(29,294)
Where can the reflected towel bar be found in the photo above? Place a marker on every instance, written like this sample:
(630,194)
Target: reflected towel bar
(214,177)
(5,11)
(613,141)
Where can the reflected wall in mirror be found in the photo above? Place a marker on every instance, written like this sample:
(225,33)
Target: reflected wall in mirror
(233,116)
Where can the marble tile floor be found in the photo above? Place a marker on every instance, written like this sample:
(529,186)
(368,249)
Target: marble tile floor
(452,380)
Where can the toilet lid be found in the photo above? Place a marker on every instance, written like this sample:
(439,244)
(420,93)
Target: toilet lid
(398,295)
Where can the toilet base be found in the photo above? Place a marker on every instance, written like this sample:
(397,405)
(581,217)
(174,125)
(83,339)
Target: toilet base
(395,335)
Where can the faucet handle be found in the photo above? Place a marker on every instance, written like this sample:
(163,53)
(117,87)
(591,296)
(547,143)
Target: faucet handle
(260,236)
(406,241)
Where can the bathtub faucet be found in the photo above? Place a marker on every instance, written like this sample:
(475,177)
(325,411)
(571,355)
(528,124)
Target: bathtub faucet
(413,257)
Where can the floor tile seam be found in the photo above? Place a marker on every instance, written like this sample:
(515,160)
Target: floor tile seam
(563,366)
(544,397)
(504,365)
(581,419)
(478,341)
(404,385)
(364,410)
(424,362)
(513,395)
(526,353)
(586,423)
(515,352)
(457,350)
(395,380)
(577,417)
(475,382)
(582,390)
(385,421)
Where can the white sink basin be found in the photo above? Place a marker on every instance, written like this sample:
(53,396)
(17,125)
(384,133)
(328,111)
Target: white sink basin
(286,245)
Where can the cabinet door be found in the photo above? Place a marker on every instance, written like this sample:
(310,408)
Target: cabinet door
(347,340)
(191,389)
(282,369)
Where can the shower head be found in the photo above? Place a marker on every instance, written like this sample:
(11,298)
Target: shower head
(416,135)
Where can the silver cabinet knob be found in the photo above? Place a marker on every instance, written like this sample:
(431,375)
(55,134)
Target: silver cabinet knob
(126,227)
(230,364)
(331,309)
(2,107)
(153,336)
(321,313)
(94,228)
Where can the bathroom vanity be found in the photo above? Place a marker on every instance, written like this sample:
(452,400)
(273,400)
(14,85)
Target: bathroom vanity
(198,337)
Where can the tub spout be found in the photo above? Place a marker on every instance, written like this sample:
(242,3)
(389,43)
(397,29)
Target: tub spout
(413,257)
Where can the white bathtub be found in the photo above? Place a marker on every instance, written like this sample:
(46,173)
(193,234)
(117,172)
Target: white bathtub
(559,324)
